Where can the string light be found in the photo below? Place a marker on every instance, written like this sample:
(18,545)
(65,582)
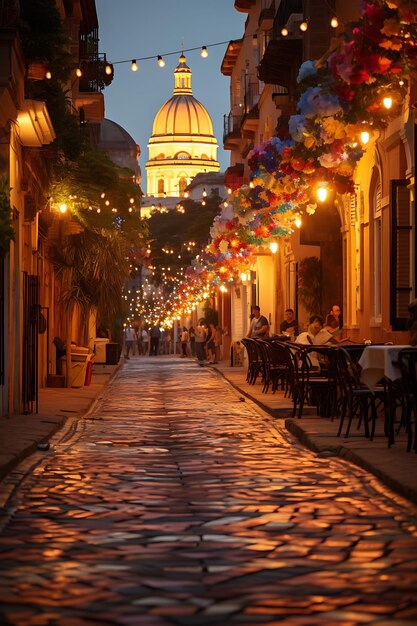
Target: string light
(322,192)
(63,207)
(365,136)
(273,246)
(161,61)
(303,26)
(204,52)
(134,66)
(334,22)
(284,31)
(48,75)
(387,102)
(204,192)
(78,72)
(108,69)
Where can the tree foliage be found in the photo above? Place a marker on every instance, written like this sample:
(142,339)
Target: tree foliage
(6,228)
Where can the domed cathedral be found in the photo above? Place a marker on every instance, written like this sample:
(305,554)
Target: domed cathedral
(182,142)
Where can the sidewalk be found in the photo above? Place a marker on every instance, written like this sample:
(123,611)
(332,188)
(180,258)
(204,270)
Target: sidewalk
(394,466)
(20,435)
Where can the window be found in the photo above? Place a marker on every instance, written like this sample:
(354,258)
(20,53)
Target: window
(182,155)
(401,274)
(161,187)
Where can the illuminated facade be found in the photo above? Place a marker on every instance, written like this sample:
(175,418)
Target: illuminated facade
(182,142)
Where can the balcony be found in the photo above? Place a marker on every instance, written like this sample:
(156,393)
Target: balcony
(231,131)
(281,62)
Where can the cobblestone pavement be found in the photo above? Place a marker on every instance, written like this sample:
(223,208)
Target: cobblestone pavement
(177,503)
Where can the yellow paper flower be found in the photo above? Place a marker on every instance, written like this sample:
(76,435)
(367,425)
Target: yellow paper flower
(309,141)
(391,27)
(333,128)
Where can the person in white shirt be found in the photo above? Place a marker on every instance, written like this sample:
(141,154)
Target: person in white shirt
(130,338)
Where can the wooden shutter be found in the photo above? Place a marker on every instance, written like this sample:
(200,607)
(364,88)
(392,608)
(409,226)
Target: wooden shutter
(401,287)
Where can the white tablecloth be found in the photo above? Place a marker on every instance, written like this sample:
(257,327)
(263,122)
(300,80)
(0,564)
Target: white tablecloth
(378,362)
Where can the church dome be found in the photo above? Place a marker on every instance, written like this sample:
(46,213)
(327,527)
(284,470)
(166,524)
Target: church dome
(182,114)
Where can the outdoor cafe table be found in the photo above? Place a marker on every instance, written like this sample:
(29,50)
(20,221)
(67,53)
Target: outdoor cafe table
(381,363)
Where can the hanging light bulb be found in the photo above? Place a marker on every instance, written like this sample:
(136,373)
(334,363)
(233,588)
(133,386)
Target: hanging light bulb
(284,31)
(322,192)
(204,52)
(243,277)
(48,75)
(103,195)
(161,61)
(78,72)
(334,22)
(387,102)
(365,136)
(251,185)
(229,191)
(273,246)
(223,289)
(108,69)
(303,26)
(186,194)
(298,222)
(204,192)
(203,202)
(63,207)
(134,66)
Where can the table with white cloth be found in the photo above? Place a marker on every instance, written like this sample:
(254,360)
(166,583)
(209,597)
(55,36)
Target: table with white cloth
(381,363)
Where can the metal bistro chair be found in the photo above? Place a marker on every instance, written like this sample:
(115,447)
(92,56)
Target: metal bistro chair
(407,360)
(274,369)
(356,399)
(255,364)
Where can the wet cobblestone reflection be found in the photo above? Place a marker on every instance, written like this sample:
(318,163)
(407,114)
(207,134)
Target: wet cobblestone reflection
(178,504)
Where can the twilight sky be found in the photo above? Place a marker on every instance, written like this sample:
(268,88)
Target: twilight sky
(130,29)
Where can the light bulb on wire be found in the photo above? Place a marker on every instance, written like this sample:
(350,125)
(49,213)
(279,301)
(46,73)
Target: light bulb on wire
(134,66)
(284,31)
(387,102)
(334,22)
(78,72)
(303,26)
(204,52)
(161,61)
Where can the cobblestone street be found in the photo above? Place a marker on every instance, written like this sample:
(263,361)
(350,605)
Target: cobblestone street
(176,502)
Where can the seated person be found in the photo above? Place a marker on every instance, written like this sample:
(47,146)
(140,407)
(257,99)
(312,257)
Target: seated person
(290,325)
(332,325)
(316,334)
(259,326)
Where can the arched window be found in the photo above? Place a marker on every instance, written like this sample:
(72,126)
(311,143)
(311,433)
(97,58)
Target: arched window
(182,155)
(205,157)
(161,156)
(182,185)
(161,187)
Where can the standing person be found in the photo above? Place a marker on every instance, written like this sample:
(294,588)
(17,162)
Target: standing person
(191,334)
(259,327)
(290,325)
(155,337)
(130,338)
(184,341)
(217,343)
(145,341)
(200,340)
(210,345)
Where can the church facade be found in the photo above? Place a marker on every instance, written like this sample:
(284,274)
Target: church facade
(182,143)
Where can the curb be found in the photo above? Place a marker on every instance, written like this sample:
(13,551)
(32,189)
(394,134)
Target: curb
(352,457)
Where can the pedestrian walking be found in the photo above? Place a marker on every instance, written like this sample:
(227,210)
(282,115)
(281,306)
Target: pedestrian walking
(210,345)
(145,341)
(130,339)
(191,334)
(200,340)
(184,341)
(155,337)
